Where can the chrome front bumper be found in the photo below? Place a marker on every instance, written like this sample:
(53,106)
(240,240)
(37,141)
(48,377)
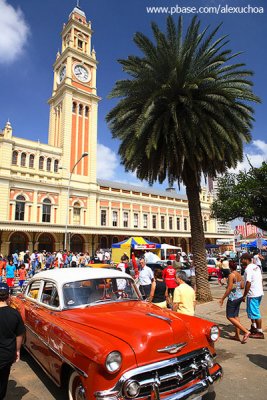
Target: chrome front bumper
(198,389)
(195,391)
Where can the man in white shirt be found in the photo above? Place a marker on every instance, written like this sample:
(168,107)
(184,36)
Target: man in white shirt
(253,292)
(146,277)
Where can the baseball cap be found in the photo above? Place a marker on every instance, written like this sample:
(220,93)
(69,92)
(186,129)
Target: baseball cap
(4,289)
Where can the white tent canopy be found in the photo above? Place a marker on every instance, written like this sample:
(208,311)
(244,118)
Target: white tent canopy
(166,247)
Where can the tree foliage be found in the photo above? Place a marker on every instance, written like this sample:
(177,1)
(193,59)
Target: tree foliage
(183,111)
(243,195)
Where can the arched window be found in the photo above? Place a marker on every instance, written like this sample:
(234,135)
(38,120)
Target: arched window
(74,107)
(23,160)
(20,208)
(46,214)
(14,158)
(76,214)
(80,109)
(48,164)
(31,161)
(86,111)
(56,166)
(41,162)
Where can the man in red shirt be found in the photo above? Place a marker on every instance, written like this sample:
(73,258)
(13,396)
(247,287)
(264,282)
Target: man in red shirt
(168,275)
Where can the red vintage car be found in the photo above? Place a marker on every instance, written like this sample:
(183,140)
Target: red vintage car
(93,334)
(212,269)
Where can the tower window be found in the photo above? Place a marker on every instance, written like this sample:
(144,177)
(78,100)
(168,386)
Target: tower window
(31,161)
(56,166)
(46,215)
(80,109)
(48,164)
(86,111)
(77,214)
(80,44)
(103,217)
(20,208)
(14,158)
(41,162)
(74,107)
(23,160)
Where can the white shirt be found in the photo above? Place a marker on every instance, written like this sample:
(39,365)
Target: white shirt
(257,260)
(121,266)
(146,275)
(253,275)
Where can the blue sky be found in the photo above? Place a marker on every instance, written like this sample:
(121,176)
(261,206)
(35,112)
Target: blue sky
(30,38)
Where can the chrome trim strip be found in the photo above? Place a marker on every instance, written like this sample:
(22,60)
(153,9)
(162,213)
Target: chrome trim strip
(160,317)
(80,371)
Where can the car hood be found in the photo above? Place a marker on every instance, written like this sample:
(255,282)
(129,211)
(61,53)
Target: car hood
(144,326)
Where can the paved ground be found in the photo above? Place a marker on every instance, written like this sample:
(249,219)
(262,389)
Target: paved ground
(245,366)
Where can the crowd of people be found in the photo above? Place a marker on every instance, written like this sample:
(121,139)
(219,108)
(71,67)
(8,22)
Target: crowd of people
(23,265)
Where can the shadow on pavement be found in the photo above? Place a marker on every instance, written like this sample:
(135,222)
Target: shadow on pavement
(258,359)
(15,392)
(56,392)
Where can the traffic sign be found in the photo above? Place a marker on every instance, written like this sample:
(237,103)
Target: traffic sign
(236,232)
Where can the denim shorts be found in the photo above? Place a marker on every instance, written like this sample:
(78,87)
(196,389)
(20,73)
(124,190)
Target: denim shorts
(233,307)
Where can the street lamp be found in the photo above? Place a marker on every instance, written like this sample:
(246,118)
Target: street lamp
(85,154)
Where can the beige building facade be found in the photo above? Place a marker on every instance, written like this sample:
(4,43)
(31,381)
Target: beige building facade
(48,190)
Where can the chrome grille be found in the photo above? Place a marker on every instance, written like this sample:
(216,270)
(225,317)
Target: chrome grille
(169,376)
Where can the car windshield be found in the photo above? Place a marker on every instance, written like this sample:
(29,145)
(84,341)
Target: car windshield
(93,291)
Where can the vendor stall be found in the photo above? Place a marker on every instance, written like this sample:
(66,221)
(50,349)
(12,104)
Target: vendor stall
(135,244)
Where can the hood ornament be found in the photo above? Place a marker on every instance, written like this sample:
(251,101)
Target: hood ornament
(172,349)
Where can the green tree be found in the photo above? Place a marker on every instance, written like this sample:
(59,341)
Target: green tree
(243,195)
(183,111)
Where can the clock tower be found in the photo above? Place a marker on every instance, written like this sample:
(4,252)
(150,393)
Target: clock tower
(74,101)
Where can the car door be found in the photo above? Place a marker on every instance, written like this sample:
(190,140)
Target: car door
(45,313)
(31,317)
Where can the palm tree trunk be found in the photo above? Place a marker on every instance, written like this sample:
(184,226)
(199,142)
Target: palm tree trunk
(198,243)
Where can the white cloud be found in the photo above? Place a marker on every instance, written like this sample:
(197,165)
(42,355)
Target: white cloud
(256,153)
(107,162)
(14,33)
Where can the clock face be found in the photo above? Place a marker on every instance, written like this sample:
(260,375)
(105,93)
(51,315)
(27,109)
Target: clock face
(62,74)
(82,73)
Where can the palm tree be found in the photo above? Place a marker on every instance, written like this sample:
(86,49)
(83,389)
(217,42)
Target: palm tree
(183,112)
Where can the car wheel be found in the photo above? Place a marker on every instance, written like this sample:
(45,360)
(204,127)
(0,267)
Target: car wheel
(76,390)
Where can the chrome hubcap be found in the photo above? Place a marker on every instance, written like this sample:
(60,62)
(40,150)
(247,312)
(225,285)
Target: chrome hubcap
(80,392)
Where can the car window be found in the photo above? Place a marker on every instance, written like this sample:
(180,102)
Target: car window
(211,262)
(33,290)
(49,295)
(94,291)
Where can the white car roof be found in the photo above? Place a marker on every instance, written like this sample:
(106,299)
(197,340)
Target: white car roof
(65,275)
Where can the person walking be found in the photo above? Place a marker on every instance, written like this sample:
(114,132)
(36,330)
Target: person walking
(2,267)
(235,298)
(159,290)
(10,274)
(253,292)
(177,263)
(26,260)
(184,298)
(146,277)
(12,330)
(169,275)
(22,275)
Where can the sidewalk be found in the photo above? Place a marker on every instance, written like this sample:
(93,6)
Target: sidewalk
(244,365)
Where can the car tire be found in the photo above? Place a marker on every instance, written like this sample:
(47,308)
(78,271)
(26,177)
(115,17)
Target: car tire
(76,389)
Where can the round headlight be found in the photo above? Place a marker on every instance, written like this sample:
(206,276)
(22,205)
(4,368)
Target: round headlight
(113,361)
(214,333)
(132,389)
